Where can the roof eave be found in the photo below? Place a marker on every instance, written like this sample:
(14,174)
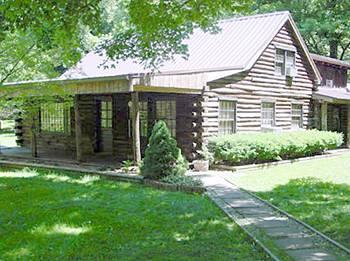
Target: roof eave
(67,81)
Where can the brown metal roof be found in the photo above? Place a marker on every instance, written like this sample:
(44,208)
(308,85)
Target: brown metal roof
(325,59)
(233,47)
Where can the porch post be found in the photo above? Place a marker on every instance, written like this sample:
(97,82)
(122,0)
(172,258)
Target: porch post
(136,127)
(324,116)
(33,138)
(78,131)
(348,128)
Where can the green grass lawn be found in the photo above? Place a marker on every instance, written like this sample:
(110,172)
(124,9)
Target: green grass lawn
(51,215)
(317,192)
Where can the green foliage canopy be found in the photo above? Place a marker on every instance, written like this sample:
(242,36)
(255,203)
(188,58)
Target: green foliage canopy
(36,37)
(324,24)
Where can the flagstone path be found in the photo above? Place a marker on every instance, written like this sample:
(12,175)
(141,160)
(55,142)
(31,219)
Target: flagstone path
(281,236)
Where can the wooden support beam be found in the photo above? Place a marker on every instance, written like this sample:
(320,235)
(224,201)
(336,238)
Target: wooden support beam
(78,130)
(348,127)
(136,127)
(33,138)
(324,116)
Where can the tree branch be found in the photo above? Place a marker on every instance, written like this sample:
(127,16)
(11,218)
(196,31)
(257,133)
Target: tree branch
(344,49)
(313,43)
(12,70)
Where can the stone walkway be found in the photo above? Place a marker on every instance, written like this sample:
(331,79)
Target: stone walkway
(282,237)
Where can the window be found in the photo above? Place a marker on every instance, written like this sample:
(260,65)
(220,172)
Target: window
(55,117)
(143,118)
(297,116)
(268,114)
(329,83)
(285,62)
(166,111)
(106,114)
(227,117)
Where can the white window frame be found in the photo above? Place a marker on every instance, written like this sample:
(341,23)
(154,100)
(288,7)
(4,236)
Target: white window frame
(273,120)
(284,63)
(329,83)
(300,115)
(232,120)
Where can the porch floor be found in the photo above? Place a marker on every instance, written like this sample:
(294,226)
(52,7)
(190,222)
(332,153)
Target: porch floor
(95,162)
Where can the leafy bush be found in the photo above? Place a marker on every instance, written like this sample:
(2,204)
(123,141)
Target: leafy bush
(162,156)
(182,180)
(250,148)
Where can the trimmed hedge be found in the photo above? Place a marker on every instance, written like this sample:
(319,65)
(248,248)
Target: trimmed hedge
(248,148)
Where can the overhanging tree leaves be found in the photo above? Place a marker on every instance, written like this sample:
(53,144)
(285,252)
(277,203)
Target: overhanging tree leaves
(324,24)
(154,31)
(57,32)
(36,36)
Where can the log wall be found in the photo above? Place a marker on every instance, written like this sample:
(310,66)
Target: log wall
(333,72)
(252,87)
(65,142)
(188,119)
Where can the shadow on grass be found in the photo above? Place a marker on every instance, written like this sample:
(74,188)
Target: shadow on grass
(323,205)
(58,214)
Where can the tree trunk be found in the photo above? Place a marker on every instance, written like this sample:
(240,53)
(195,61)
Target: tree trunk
(333,49)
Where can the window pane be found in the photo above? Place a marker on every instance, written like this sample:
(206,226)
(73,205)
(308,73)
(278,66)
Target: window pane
(55,117)
(143,118)
(279,55)
(166,111)
(279,68)
(227,115)
(297,115)
(106,114)
(280,62)
(268,114)
(290,58)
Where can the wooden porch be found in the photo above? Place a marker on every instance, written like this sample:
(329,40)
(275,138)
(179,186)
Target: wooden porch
(57,157)
(116,126)
(332,111)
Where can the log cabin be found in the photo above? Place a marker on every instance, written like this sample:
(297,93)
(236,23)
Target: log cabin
(255,74)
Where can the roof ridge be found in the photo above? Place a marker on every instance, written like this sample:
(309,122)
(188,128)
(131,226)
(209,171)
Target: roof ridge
(247,17)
